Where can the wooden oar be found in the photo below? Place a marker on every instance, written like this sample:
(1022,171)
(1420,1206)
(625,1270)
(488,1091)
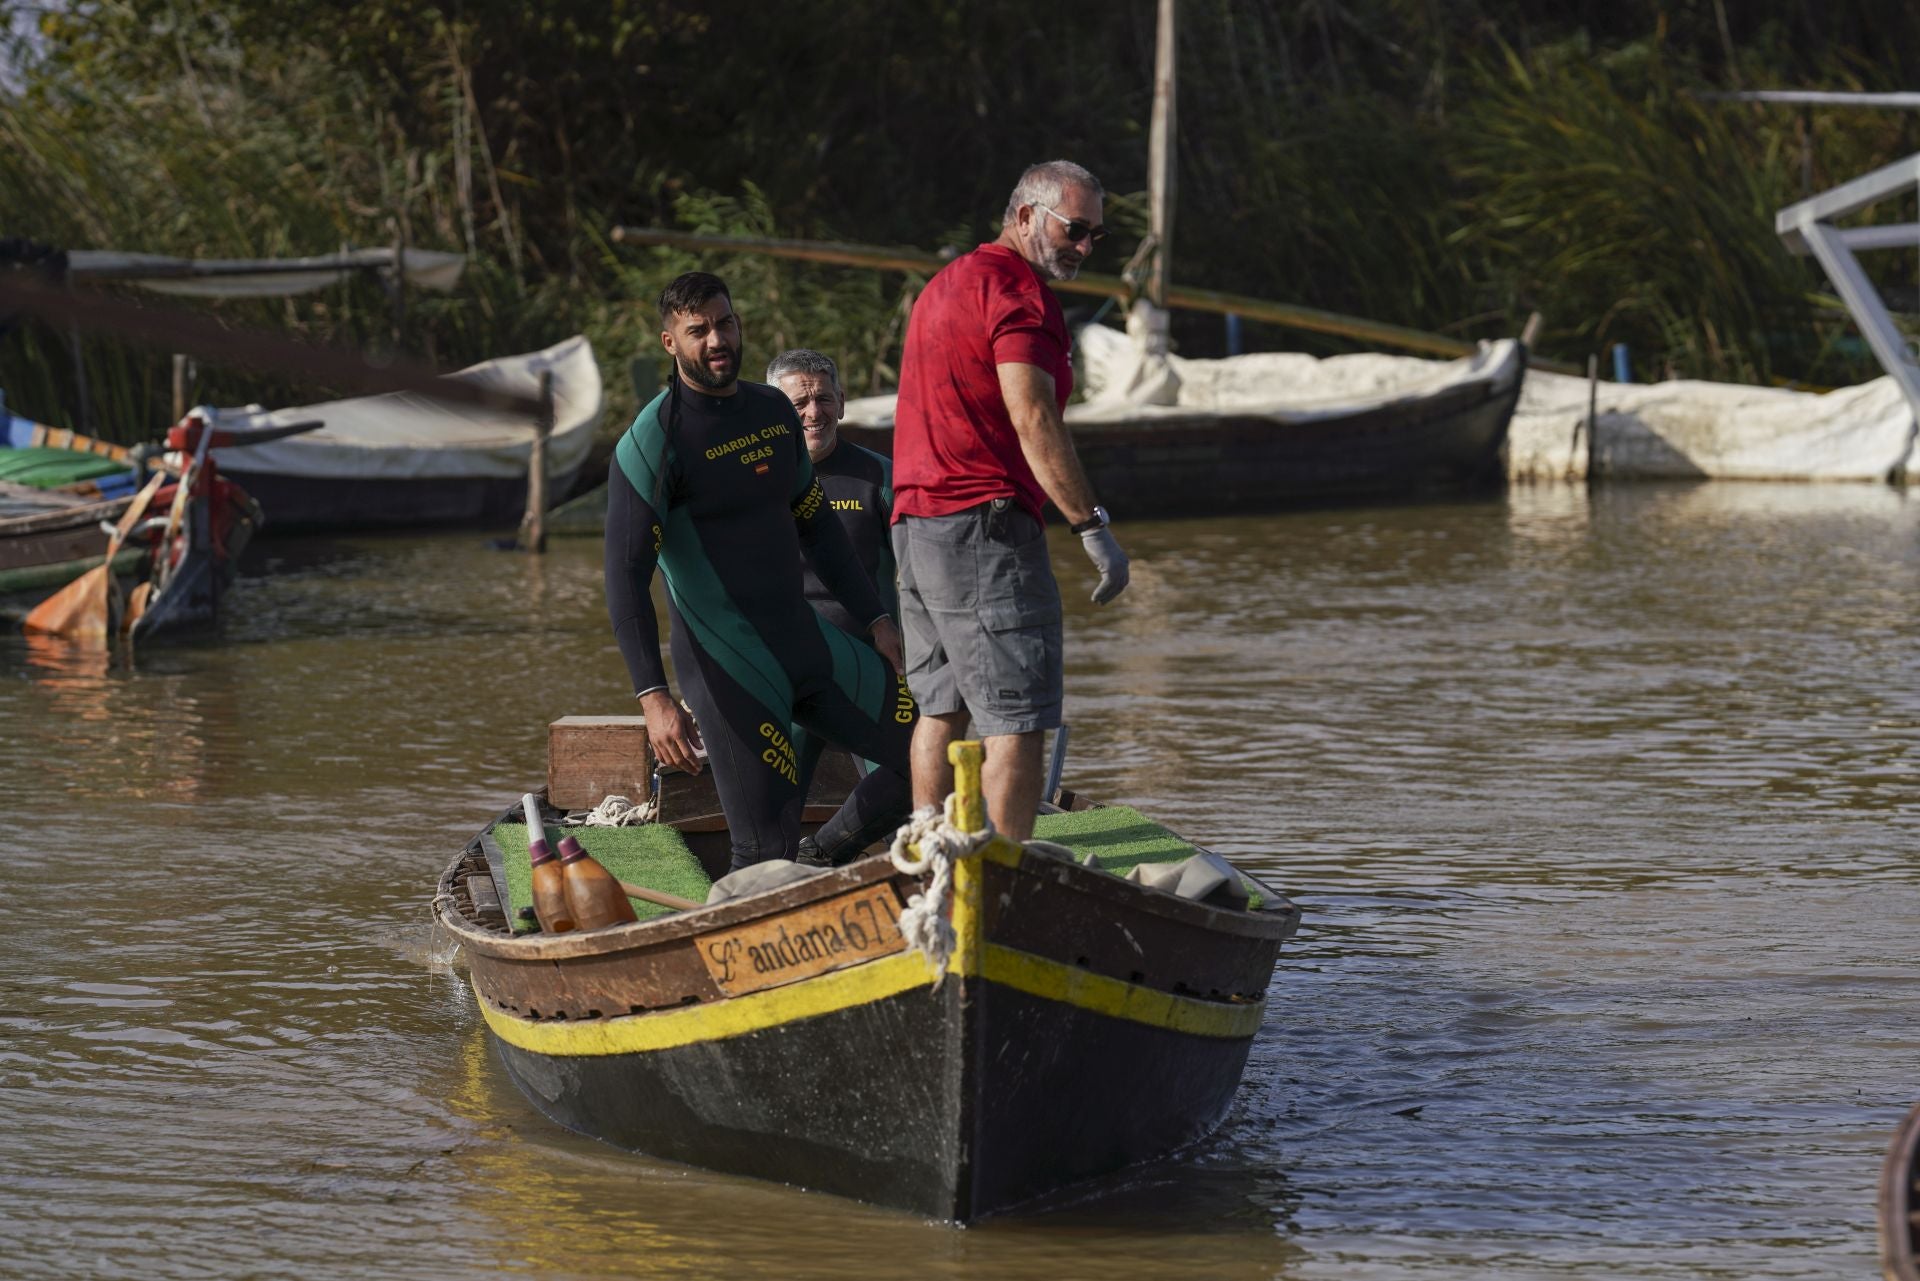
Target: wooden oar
(646,895)
(84,607)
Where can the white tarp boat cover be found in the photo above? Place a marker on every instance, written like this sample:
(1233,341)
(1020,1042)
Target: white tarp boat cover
(1126,377)
(403,436)
(1131,377)
(261,277)
(1700,430)
(1671,430)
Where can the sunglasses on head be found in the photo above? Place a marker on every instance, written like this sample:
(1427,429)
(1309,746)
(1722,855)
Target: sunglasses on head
(1077,230)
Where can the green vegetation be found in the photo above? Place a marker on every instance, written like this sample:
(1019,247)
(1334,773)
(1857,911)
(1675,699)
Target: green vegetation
(1447,166)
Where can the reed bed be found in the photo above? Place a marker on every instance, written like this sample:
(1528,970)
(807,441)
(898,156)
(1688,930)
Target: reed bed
(1401,161)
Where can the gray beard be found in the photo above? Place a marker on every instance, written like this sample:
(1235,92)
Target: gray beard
(1051,259)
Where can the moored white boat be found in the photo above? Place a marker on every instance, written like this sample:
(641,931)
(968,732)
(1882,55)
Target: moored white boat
(403,459)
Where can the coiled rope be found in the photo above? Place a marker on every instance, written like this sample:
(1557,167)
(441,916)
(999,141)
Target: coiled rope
(924,924)
(617,811)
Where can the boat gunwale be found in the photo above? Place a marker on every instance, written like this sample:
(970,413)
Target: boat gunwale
(1276,919)
(63,516)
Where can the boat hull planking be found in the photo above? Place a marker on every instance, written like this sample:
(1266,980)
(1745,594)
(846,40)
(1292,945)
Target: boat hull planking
(1084,1024)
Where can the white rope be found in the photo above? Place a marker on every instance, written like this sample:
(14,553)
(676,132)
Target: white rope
(924,923)
(616,811)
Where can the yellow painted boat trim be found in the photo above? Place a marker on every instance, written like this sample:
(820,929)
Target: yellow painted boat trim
(1114,998)
(875,981)
(890,976)
(1055,981)
(754,1012)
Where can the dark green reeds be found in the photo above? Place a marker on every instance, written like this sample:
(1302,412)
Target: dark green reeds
(1446,167)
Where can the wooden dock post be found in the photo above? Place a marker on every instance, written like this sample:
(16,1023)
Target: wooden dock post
(179,386)
(533,526)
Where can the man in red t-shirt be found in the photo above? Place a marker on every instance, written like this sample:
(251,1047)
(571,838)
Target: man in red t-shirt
(978,447)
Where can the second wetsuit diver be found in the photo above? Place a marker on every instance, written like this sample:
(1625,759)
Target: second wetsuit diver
(858,484)
(712,483)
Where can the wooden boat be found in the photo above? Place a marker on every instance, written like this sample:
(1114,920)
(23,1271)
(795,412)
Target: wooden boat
(57,489)
(407,460)
(1082,1022)
(182,557)
(1425,428)
(1900,1203)
(48,539)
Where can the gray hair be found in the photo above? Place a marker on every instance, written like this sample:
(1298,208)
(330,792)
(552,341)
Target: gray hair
(803,360)
(1044,184)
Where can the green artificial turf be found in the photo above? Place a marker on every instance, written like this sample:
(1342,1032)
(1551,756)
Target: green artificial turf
(1120,835)
(651,855)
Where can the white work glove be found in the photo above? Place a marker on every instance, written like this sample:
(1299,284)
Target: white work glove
(1104,551)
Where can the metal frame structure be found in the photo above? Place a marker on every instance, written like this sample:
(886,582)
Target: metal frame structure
(1807,227)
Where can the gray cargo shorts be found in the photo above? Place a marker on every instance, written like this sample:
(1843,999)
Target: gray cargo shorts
(980,617)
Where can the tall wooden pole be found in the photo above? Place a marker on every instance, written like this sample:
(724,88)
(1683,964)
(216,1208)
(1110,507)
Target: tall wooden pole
(398,284)
(80,377)
(179,386)
(533,526)
(1160,159)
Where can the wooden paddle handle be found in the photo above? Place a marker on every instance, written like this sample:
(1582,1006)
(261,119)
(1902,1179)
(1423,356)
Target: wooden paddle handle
(655,896)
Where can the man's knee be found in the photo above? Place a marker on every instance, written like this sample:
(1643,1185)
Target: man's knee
(944,725)
(1014,750)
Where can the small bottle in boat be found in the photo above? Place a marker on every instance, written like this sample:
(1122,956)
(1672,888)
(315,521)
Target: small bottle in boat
(592,892)
(549,882)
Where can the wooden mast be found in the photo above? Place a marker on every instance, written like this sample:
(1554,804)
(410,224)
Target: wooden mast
(1160,160)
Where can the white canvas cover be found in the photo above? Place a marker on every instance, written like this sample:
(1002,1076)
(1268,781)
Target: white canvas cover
(261,278)
(1687,429)
(1131,377)
(404,436)
(1672,430)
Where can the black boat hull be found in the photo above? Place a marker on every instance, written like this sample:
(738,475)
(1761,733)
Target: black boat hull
(954,1104)
(306,503)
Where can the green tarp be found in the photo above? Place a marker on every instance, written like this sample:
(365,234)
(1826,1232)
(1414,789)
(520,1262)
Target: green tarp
(44,467)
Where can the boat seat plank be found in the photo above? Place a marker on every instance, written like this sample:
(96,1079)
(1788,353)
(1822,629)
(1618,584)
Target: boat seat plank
(486,901)
(652,855)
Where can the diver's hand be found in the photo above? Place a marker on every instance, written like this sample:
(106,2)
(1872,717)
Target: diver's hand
(671,732)
(886,639)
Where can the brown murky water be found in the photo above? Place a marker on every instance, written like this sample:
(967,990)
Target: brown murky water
(1602,811)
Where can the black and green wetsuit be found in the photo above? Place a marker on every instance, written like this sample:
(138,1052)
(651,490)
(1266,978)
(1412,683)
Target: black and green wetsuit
(719,493)
(858,484)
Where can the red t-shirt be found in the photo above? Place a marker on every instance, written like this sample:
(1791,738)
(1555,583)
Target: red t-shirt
(954,445)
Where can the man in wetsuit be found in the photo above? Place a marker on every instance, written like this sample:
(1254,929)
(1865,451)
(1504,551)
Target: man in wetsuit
(858,484)
(712,483)
(978,447)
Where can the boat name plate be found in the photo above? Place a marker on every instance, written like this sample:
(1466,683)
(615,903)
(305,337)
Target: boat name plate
(829,935)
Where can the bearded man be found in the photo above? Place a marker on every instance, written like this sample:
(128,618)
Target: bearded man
(979,445)
(713,485)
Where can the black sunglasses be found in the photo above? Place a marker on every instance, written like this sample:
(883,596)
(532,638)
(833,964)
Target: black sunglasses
(1077,230)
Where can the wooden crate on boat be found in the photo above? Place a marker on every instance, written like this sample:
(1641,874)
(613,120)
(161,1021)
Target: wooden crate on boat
(590,758)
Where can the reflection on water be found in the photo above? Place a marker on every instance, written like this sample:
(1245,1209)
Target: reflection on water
(1601,809)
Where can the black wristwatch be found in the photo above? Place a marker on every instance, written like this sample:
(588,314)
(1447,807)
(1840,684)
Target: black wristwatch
(1096,521)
